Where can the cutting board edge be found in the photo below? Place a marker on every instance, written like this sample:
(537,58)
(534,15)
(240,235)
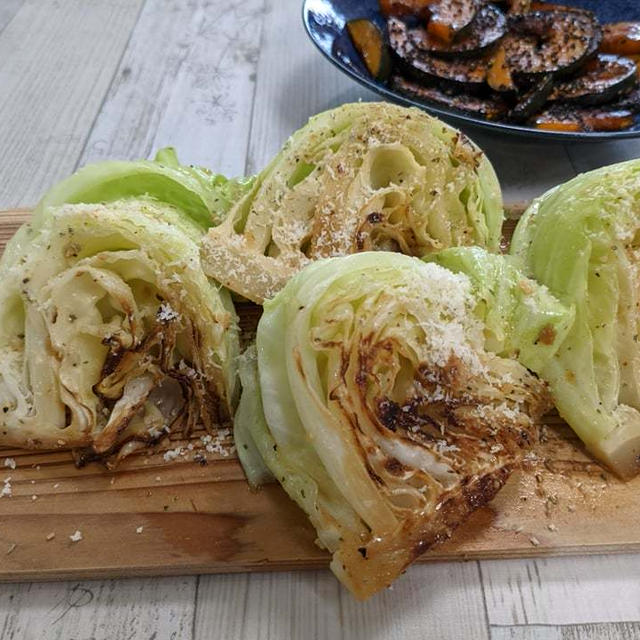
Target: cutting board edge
(104,573)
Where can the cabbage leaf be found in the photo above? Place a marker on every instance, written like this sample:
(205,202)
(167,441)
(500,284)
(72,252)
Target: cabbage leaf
(383,414)
(521,318)
(581,240)
(364,176)
(196,192)
(111,335)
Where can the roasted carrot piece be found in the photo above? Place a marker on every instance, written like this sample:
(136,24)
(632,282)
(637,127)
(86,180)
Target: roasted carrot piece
(499,75)
(370,44)
(405,7)
(609,121)
(585,120)
(558,125)
(622,38)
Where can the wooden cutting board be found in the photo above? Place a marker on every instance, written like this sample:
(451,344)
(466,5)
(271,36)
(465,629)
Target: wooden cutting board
(158,517)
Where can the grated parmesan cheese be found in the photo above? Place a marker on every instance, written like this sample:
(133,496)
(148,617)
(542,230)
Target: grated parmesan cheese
(6,489)
(172,454)
(443,447)
(217,444)
(76,536)
(10,462)
(166,313)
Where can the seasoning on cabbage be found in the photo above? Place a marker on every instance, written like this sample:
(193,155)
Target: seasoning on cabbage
(521,318)
(196,192)
(111,335)
(365,176)
(581,241)
(380,410)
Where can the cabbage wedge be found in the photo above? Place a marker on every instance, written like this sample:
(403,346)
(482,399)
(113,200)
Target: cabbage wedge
(375,403)
(111,335)
(365,176)
(196,192)
(521,319)
(581,240)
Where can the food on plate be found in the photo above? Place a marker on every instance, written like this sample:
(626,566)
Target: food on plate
(581,241)
(561,118)
(541,42)
(499,76)
(360,177)
(488,107)
(468,73)
(601,79)
(405,7)
(376,401)
(111,335)
(370,44)
(452,19)
(531,101)
(512,63)
(486,28)
(447,19)
(622,38)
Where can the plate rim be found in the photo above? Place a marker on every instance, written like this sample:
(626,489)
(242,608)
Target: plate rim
(490,126)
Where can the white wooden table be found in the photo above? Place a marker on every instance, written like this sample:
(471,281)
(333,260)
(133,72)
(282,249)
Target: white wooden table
(226,81)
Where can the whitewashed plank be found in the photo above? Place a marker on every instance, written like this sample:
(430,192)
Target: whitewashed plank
(591,156)
(268,606)
(158,608)
(442,601)
(603,631)
(8,9)
(294,82)
(526,169)
(186,79)
(57,60)
(563,590)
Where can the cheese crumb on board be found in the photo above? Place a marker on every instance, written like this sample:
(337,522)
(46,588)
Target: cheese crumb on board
(172,454)
(10,462)
(6,489)
(76,536)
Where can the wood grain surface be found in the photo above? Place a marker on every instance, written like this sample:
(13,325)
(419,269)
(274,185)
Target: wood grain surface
(70,96)
(153,517)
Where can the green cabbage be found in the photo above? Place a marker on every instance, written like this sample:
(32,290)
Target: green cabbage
(249,424)
(521,318)
(196,192)
(581,241)
(375,403)
(111,335)
(365,176)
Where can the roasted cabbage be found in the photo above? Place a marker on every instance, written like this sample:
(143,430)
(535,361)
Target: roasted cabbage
(582,240)
(111,334)
(198,193)
(374,401)
(521,319)
(365,176)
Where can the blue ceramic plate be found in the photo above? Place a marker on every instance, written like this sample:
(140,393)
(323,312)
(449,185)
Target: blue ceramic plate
(325,23)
